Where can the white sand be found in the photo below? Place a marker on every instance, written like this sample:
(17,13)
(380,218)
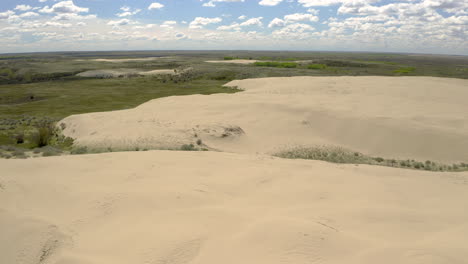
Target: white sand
(157,72)
(233,61)
(422,118)
(114,73)
(211,208)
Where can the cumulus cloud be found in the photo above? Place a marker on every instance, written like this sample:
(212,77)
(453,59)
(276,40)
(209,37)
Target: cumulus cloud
(277,22)
(29,15)
(270,2)
(393,25)
(293,32)
(212,2)
(256,21)
(6,14)
(121,22)
(127,11)
(292,18)
(200,22)
(155,5)
(297,17)
(23,7)
(64,7)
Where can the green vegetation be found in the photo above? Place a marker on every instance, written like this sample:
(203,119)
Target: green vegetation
(29,123)
(341,155)
(317,66)
(229,58)
(188,147)
(276,64)
(405,70)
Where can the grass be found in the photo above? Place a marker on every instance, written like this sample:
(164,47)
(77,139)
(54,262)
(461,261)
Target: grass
(64,98)
(404,70)
(317,66)
(276,64)
(344,156)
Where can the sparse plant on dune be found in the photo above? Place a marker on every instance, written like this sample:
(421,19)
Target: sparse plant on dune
(341,155)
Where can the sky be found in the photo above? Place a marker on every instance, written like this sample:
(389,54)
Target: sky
(413,26)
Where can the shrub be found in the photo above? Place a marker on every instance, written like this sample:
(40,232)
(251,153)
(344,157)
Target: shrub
(199,142)
(50,151)
(19,138)
(188,147)
(19,153)
(43,135)
(379,159)
(79,150)
(276,64)
(229,58)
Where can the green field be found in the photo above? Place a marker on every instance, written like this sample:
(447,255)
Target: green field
(39,89)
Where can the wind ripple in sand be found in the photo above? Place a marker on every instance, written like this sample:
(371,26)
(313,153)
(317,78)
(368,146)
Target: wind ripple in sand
(145,207)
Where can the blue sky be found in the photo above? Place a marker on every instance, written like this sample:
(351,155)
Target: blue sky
(424,26)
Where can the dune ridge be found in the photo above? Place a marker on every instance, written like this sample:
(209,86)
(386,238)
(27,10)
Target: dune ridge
(422,118)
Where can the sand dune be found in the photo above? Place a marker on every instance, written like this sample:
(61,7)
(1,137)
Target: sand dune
(208,207)
(233,61)
(421,118)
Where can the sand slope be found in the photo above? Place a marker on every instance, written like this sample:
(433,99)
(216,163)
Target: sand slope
(421,118)
(233,61)
(113,73)
(207,207)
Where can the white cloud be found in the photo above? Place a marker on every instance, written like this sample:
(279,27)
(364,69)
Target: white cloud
(242,17)
(29,15)
(72,16)
(200,22)
(212,2)
(155,5)
(127,11)
(23,7)
(56,24)
(277,22)
(294,32)
(292,18)
(64,7)
(7,14)
(125,8)
(270,2)
(298,17)
(256,21)
(121,22)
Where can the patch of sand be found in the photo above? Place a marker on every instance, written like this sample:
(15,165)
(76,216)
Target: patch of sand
(126,60)
(208,207)
(157,72)
(114,73)
(233,61)
(422,118)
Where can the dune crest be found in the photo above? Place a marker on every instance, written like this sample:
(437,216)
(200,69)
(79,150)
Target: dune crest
(421,118)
